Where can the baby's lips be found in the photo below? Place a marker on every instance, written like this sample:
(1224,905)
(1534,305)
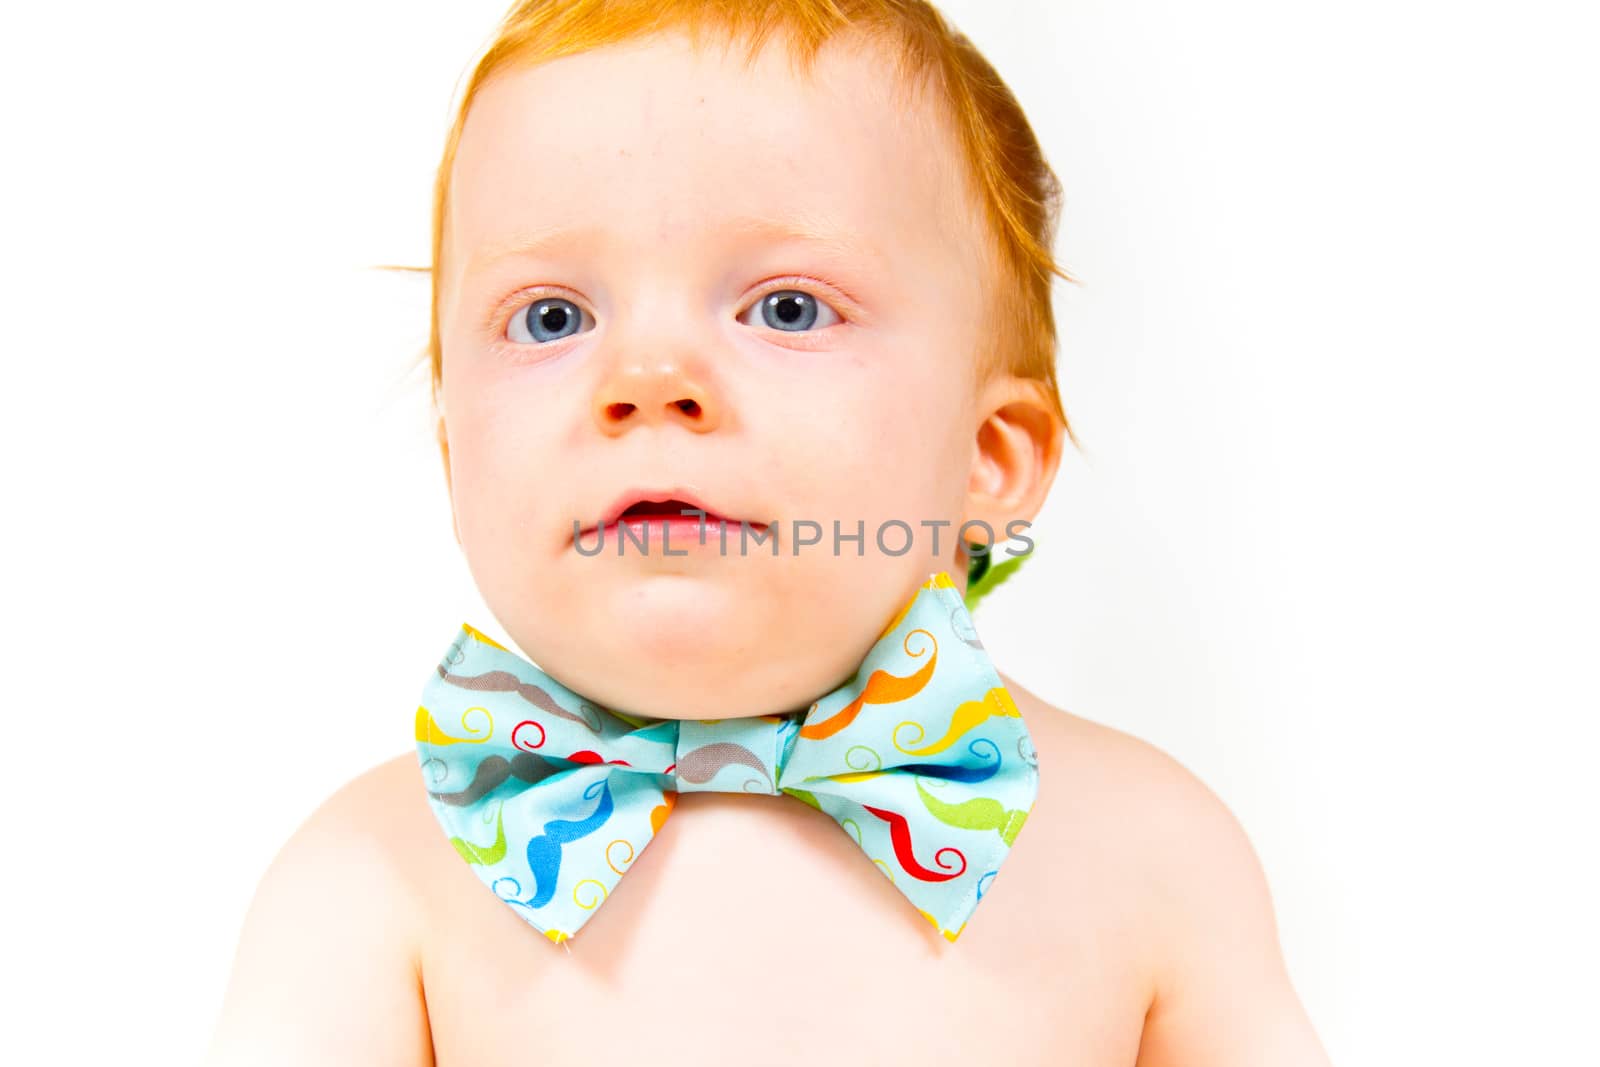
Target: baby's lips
(673,501)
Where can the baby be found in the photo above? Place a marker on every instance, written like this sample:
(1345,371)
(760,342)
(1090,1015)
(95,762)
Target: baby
(777,264)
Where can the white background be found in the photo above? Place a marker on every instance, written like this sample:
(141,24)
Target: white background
(1333,359)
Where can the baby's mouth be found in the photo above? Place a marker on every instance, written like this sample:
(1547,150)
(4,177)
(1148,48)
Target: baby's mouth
(673,507)
(685,520)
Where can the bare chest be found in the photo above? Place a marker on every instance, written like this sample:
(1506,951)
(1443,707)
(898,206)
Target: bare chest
(752,930)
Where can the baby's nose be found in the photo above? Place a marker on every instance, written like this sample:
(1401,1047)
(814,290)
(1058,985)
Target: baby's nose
(733,755)
(659,395)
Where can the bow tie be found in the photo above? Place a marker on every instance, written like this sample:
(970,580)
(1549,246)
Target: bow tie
(922,758)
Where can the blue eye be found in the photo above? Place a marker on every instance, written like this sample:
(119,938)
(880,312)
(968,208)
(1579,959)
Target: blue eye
(544,321)
(793,311)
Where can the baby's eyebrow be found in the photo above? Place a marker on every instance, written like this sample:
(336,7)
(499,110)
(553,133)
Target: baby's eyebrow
(840,241)
(834,240)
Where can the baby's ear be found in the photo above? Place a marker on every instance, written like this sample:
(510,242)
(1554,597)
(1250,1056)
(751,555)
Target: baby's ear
(1019,443)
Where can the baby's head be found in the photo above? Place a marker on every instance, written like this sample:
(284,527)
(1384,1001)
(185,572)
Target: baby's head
(790,260)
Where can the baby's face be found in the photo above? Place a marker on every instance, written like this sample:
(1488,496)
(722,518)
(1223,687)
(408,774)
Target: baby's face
(666,273)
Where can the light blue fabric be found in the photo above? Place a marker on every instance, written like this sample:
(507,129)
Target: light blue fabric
(922,758)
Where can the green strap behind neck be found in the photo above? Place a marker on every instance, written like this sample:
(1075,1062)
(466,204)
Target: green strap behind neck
(983,576)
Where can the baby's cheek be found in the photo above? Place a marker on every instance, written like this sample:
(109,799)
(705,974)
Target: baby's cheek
(500,495)
(890,464)
(508,442)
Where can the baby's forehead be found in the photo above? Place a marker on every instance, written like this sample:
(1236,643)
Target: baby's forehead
(656,138)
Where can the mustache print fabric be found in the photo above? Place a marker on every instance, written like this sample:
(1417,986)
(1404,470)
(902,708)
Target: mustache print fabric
(922,758)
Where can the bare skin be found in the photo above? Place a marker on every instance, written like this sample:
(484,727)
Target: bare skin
(1130,924)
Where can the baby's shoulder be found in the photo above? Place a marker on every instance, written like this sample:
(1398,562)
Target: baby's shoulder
(1139,834)
(1142,862)
(384,809)
(327,965)
(383,814)
(1109,779)
(360,849)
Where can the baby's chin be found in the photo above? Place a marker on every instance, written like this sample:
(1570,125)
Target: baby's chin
(701,644)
